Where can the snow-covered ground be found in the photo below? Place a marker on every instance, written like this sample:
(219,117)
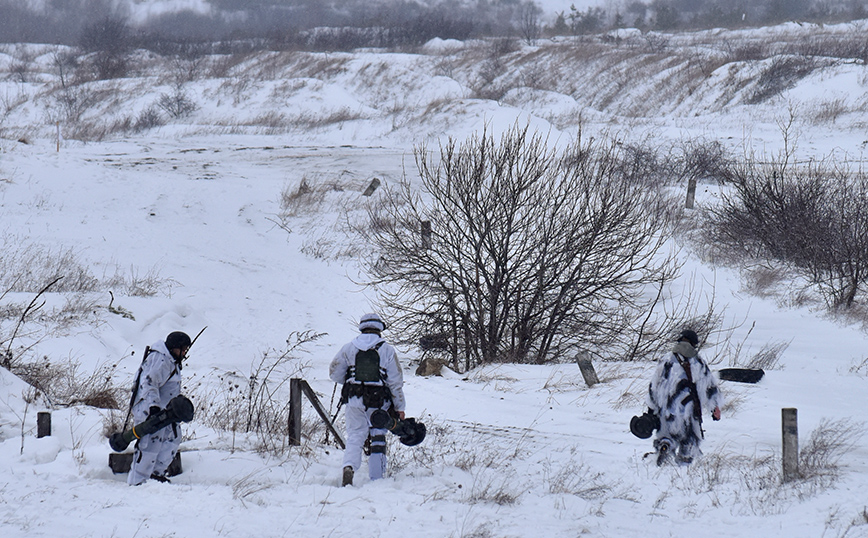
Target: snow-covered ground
(513,450)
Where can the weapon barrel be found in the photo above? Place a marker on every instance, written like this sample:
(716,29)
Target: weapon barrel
(179,409)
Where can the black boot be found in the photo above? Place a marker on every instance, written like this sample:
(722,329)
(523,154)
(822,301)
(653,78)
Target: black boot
(347,479)
(160,478)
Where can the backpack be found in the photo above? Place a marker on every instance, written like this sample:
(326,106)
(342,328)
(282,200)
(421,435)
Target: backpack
(367,370)
(367,366)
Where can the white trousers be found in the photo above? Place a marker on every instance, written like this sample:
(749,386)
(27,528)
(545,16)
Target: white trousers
(154,453)
(358,426)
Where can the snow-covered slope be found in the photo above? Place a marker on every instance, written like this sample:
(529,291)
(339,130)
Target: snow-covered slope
(512,450)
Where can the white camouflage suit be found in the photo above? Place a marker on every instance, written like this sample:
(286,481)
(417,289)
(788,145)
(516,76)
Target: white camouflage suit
(160,381)
(669,397)
(358,419)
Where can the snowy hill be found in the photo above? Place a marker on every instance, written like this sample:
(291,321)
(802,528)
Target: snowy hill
(185,221)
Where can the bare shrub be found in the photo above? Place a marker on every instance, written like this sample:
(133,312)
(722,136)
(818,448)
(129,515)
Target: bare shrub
(64,383)
(177,104)
(304,197)
(493,487)
(819,458)
(258,403)
(148,119)
(768,357)
(72,102)
(829,111)
(27,267)
(530,250)
(574,478)
(811,218)
(782,73)
(704,160)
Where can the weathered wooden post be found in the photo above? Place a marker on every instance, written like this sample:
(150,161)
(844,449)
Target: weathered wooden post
(790,434)
(372,187)
(587,369)
(426,234)
(297,387)
(43,424)
(295,411)
(691,193)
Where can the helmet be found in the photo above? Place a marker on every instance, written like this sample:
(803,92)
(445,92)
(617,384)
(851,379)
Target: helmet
(177,340)
(372,322)
(689,336)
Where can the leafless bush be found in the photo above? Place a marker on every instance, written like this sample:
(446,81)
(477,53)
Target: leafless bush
(574,478)
(529,22)
(494,487)
(8,104)
(20,71)
(812,218)
(64,383)
(782,73)
(768,357)
(819,458)
(72,102)
(27,267)
(704,160)
(259,402)
(829,111)
(849,46)
(302,198)
(148,119)
(529,249)
(177,104)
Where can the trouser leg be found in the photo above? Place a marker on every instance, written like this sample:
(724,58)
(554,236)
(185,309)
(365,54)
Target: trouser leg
(144,459)
(357,433)
(377,459)
(168,449)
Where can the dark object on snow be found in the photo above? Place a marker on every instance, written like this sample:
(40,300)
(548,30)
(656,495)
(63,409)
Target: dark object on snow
(408,430)
(741,375)
(179,409)
(121,463)
(643,426)
(587,369)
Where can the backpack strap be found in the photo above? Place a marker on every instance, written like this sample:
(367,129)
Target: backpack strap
(135,391)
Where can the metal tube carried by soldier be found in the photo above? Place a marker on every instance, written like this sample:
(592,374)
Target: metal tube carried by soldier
(410,432)
(179,409)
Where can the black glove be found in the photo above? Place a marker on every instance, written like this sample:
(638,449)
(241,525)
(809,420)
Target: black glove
(153,410)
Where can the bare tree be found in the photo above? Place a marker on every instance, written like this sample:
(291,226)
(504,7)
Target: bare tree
(529,22)
(527,253)
(109,42)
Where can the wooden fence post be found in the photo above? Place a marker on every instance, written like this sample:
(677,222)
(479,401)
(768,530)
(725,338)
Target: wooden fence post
(295,411)
(43,424)
(372,187)
(790,434)
(691,193)
(588,372)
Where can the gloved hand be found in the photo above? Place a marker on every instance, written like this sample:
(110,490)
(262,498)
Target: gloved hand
(153,410)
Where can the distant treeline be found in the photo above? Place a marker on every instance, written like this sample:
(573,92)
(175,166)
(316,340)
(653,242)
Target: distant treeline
(317,25)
